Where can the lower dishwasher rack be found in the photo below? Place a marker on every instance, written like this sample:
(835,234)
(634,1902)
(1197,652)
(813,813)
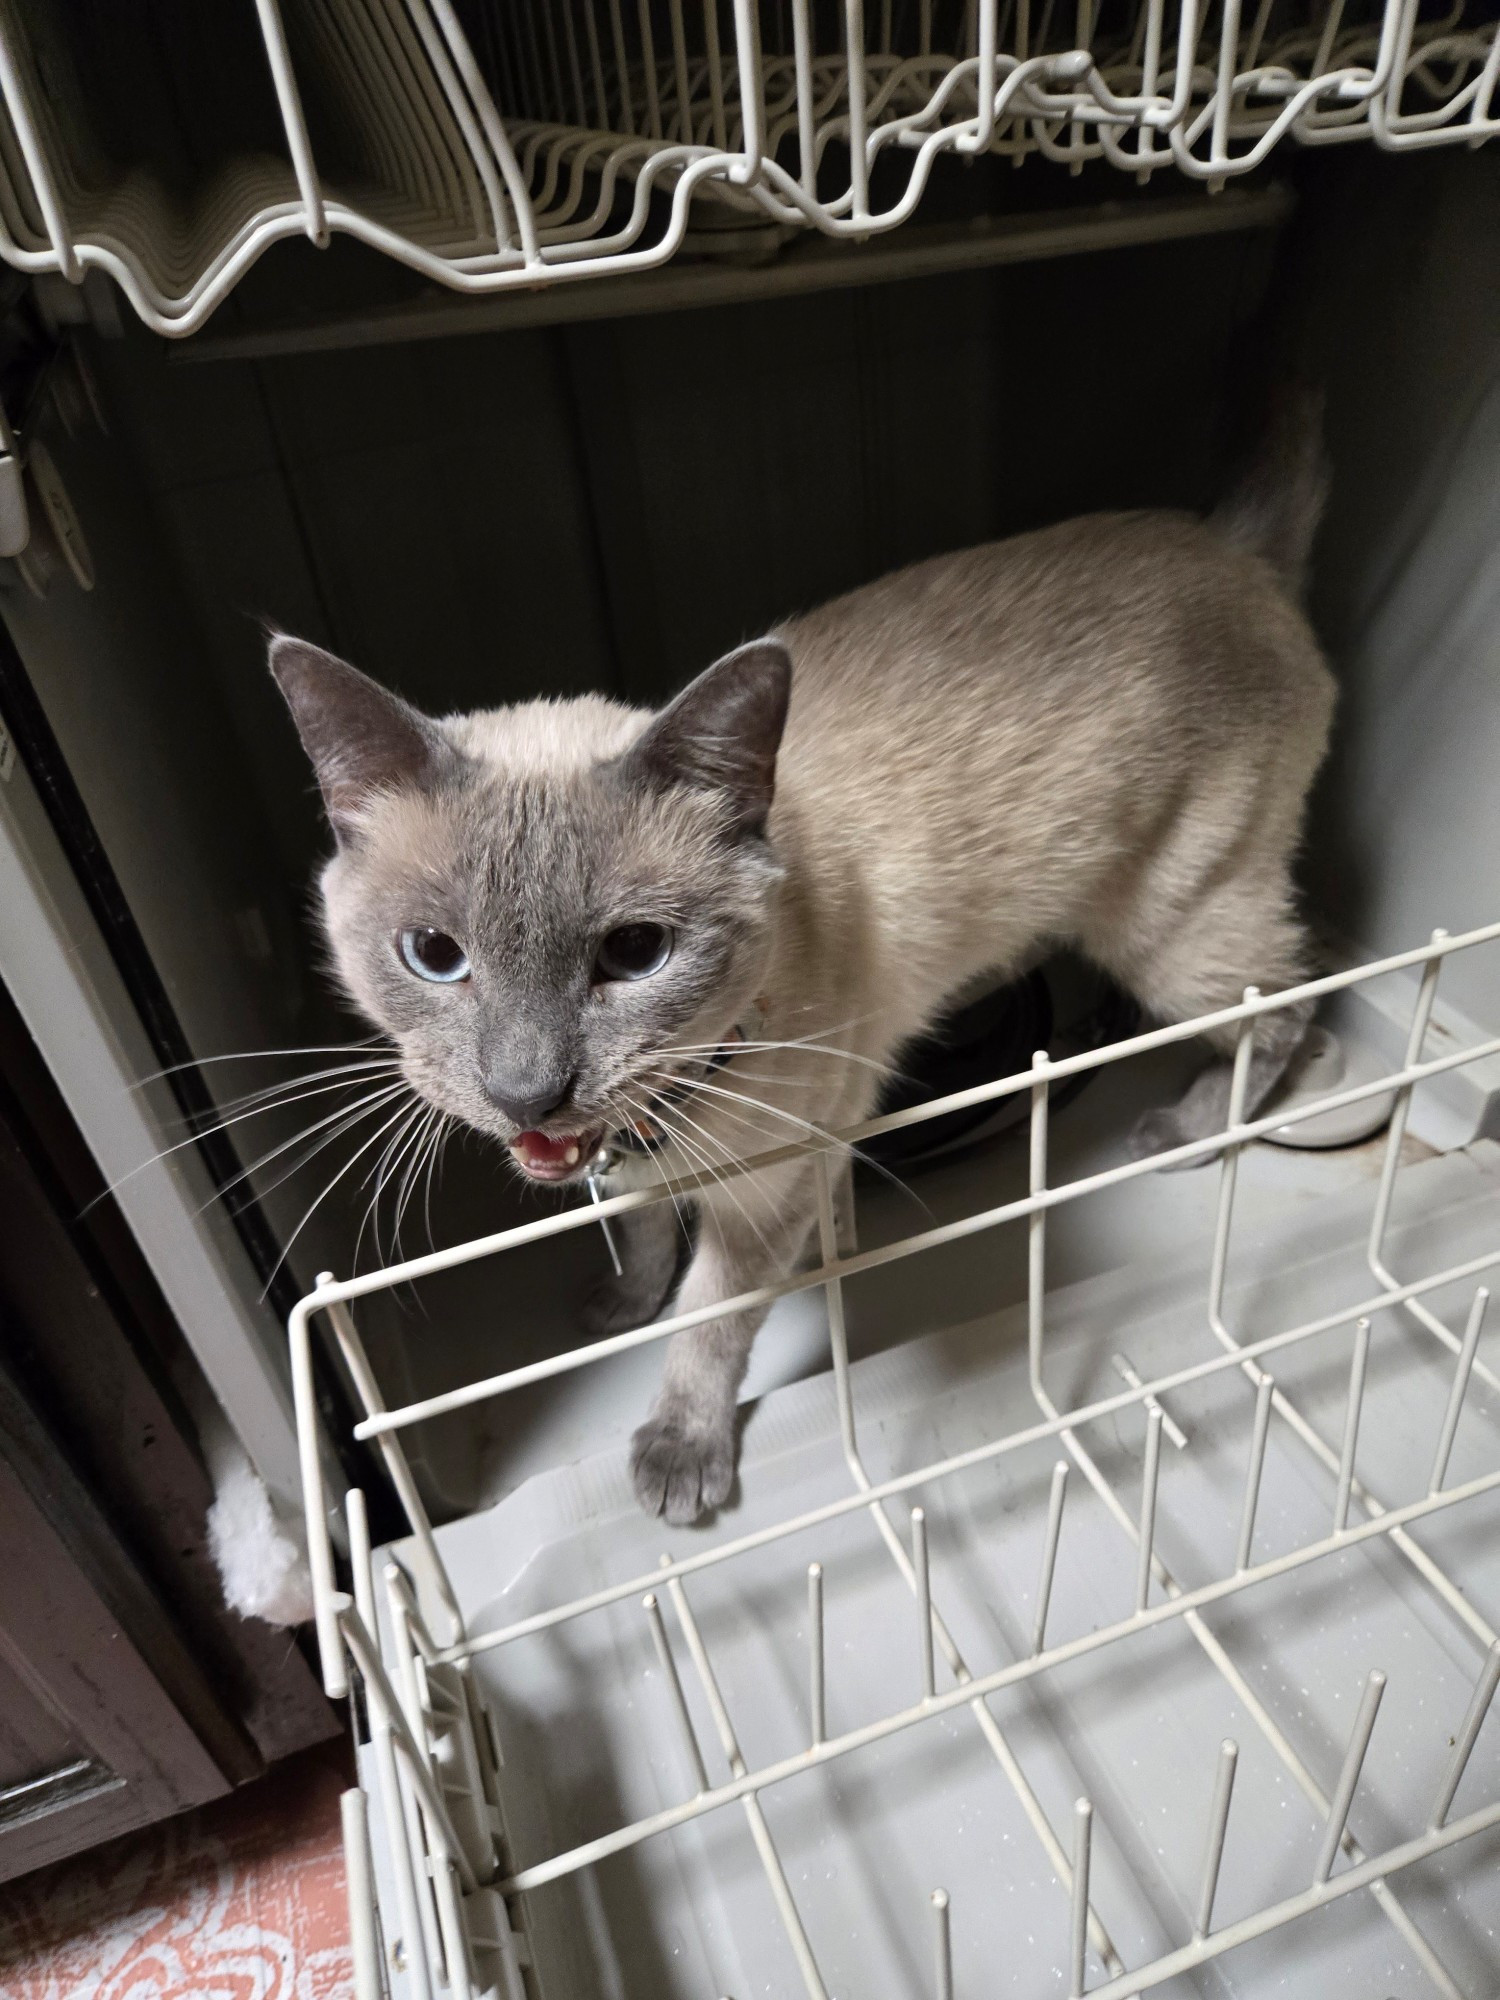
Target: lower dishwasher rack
(1140,1636)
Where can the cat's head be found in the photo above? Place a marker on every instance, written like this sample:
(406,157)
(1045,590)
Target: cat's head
(538,904)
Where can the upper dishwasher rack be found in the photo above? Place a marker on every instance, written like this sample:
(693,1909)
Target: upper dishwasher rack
(490,147)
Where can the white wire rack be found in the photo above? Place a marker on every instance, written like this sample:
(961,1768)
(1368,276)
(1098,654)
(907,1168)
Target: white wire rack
(454,1914)
(489,148)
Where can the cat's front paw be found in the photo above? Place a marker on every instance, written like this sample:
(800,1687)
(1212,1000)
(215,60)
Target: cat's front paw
(1159,1132)
(681,1471)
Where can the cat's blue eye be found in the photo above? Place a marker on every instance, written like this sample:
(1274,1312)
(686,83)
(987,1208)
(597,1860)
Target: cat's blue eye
(634,951)
(433,955)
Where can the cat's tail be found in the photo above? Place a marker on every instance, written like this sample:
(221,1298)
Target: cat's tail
(1274,507)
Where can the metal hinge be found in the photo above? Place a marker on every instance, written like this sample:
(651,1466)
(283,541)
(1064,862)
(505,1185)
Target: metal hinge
(15,521)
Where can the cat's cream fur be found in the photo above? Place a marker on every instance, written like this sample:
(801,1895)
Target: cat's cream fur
(1101,733)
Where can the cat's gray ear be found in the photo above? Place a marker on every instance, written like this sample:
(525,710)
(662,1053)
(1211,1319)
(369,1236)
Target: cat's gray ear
(723,731)
(361,738)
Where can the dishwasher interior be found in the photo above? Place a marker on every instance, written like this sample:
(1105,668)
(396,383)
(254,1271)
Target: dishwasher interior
(294,359)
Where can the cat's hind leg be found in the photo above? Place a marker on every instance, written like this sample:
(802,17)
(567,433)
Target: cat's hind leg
(1242,932)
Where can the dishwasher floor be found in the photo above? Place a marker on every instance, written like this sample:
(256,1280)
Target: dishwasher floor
(592,1739)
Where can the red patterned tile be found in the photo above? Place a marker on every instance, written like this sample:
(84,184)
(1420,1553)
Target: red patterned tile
(242,1900)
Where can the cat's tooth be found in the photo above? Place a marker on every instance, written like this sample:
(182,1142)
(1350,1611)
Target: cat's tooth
(570,1158)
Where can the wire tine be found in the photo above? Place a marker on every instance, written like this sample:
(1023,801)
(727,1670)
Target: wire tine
(414,1913)
(680,75)
(397,1464)
(293,121)
(942,1946)
(1354,1757)
(859,164)
(1078,1932)
(1458,1391)
(1149,1478)
(751,86)
(760,1833)
(591,1182)
(359,1875)
(648,70)
(1421,1014)
(622,66)
(1055,1501)
(1264,1389)
(674,1688)
(715,73)
(1036,1221)
(575,69)
(807,131)
(1357,1369)
(924,1599)
(1218,1826)
(1468,1736)
(1125,1369)
(817,1709)
(415,1756)
(1229,1159)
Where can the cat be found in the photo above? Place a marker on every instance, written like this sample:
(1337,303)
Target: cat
(581,923)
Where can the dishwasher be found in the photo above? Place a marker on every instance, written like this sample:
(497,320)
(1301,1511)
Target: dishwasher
(1109,1599)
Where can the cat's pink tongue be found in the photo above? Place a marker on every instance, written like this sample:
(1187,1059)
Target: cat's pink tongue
(550,1156)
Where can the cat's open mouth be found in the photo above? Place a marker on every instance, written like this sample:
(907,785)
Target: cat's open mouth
(549,1156)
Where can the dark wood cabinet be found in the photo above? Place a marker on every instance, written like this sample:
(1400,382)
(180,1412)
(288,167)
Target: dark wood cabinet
(127,1690)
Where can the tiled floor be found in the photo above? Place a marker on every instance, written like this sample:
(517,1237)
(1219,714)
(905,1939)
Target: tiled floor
(241,1900)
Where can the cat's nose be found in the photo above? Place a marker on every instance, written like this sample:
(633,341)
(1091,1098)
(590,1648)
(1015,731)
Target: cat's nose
(526,1098)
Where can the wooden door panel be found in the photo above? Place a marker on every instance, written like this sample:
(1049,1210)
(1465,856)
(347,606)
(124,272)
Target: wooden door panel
(127,1691)
(120,1753)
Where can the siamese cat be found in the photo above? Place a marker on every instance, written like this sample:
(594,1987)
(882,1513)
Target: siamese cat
(586,927)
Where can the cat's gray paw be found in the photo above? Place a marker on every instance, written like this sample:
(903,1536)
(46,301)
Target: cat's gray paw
(680,1472)
(1158,1132)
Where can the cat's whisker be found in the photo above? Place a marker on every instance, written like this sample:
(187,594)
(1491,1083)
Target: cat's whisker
(634,1111)
(407,1143)
(257,1055)
(366,1216)
(430,1159)
(815,1039)
(329,1186)
(212,1131)
(341,1121)
(702,1150)
(835,1027)
(802,1047)
(766,1137)
(623,1109)
(401,1169)
(763,1136)
(380,1173)
(447,1125)
(766,1076)
(408,1178)
(705,1170)
(435,1126)
(766,1133)
(237,1113)
(274,1092)
(816,1132)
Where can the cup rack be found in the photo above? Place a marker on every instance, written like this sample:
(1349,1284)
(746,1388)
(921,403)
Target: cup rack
(441,1902)
(489,149)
